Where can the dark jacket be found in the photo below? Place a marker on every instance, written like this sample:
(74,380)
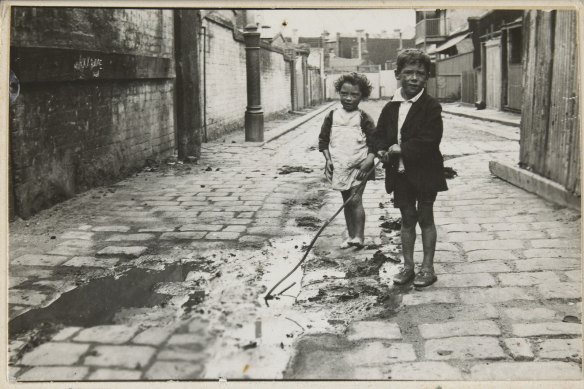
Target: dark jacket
(420,143)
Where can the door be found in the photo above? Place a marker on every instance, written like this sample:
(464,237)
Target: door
(493,73)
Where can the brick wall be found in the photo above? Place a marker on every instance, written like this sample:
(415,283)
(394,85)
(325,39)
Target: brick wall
(96,99)
(225,73)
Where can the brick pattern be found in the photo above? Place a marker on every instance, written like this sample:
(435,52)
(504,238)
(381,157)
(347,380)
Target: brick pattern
(102,29)
(493,314)
(67,137)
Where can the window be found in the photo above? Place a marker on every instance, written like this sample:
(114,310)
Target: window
(515,45)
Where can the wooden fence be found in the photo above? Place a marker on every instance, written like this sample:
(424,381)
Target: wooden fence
(550,133)
(455,79)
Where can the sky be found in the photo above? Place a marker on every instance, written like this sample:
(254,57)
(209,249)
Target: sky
(313,22)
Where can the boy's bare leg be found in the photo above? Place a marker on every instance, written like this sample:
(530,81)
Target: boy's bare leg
(429,235)
(408,234)
(408,239)
(426,275)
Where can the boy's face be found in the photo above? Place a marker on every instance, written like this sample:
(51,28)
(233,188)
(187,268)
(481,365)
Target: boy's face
(413,78)
(350,96)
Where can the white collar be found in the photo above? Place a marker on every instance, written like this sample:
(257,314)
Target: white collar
(397,96)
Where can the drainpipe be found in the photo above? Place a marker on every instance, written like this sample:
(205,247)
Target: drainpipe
(204,32)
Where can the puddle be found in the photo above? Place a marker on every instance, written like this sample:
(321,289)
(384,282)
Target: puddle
(98,302)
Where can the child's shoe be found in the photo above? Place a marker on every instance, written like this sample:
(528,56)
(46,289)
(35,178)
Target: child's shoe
(404,276)
(424,278)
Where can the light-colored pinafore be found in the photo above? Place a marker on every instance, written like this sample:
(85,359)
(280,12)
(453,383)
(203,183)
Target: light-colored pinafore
(348,148)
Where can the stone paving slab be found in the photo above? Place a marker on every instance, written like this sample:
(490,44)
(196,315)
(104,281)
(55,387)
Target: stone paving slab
(560,349)
(45,354)
(543,329)
(130,237)
(373,330)
(525,371)
(425,371)
(463,348)
(527,279)
(153,336)
(114,334)
(126,251)
(482,255)
(537,264)
(430,297)
(39,260)
(379,354)
(115,375)
(465,280)
(459,328)
(519,349)
(527,315)
(56,373)
(92,262)
(561,290)
(174,370)
(129,357)
(495,295)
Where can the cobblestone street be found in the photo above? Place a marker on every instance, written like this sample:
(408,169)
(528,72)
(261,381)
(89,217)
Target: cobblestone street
(163,275)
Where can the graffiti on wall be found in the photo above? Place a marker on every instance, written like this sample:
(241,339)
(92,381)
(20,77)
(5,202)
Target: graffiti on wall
(88,67)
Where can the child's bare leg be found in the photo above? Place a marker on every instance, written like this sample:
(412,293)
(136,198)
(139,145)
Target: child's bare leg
(348,214)
(358,212)
(408,234)
(429,236)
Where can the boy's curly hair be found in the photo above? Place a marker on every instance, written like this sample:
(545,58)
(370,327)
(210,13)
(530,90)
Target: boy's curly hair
(355,79)
(413,56)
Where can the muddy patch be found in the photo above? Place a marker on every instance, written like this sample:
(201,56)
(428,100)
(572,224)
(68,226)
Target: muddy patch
(370,267)
(309,222)
(294,169)
(391,224)
(450,173)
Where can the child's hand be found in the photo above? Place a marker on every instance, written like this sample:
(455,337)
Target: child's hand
(328,169)
(364,168)
(394,150)
(383,156)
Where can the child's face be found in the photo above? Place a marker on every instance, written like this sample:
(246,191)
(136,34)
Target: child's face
(413,78)
(350,96)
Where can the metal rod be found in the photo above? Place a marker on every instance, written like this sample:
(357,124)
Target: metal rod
(269,295)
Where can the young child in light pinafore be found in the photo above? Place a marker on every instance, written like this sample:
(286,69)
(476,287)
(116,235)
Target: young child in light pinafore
(345,143)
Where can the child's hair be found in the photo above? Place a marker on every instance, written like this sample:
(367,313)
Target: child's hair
(413,56)
(355,79)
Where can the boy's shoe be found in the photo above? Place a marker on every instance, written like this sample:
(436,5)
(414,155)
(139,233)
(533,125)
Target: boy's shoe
(404,276)
(425,278)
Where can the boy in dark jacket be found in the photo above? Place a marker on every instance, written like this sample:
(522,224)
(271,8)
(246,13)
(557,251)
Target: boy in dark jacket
(407,140)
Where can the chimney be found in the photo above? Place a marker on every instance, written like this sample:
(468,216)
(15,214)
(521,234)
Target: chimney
(295,36)
(359,48)
(398,34)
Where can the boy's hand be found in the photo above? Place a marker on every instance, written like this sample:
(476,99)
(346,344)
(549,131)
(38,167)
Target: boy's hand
(384,156)
(364,168)
(394,150)
(328,169)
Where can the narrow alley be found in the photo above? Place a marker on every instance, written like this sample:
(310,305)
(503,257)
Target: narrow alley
(162,276)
